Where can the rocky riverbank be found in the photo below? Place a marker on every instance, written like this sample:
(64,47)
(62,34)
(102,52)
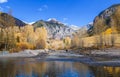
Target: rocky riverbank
(40,53)
(107,57)
(109,52)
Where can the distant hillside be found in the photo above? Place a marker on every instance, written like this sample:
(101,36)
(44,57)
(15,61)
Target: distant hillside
(109,18)
(7,20)
(56,30)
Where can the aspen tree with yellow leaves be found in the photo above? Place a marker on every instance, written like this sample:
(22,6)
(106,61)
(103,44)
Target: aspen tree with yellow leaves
(42,38)
(67,42)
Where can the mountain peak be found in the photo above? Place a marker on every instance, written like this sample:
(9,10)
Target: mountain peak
(53,20)
(56,29)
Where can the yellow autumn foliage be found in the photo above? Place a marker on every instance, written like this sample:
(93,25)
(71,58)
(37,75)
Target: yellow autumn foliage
(42,38)
(109,31)
(27,37)
(24,45)
(56,44)
(75,41)
(67,42)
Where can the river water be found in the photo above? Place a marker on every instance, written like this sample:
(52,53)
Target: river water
(31,67)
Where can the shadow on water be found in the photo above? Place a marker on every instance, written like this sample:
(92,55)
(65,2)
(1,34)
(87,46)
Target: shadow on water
(33,68)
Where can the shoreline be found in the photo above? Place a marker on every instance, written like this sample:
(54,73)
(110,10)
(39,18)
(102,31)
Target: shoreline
(109,57)
(107,53)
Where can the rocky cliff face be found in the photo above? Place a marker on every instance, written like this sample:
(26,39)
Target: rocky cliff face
(106,19)
(56,30)
(90,28)
(106,15)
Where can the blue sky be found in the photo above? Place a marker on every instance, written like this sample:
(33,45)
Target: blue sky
(72,12)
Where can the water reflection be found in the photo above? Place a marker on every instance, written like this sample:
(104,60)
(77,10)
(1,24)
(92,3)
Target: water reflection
(106,71)
(33,68)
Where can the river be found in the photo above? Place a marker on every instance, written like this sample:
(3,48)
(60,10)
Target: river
(33,67)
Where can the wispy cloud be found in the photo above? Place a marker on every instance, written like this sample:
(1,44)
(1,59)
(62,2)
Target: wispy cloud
(43,7)
(5,8)
(3,1)
(1,9)
(8,7)
(65,19)
(40,9)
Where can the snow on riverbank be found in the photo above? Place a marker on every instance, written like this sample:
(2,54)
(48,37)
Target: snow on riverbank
(65,54)
(25,53)
(109,51)
(32,53)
